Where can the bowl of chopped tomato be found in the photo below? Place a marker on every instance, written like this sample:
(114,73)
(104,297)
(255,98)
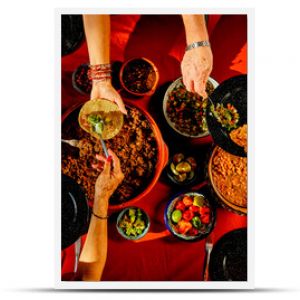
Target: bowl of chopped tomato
(190,216)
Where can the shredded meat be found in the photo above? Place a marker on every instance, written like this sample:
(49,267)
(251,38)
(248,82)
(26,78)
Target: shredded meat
(135,145)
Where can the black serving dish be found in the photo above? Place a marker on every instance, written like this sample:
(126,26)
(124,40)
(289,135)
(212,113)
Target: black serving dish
(233,91)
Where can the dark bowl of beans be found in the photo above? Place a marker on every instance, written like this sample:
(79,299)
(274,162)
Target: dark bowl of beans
(185,111)
(139,76)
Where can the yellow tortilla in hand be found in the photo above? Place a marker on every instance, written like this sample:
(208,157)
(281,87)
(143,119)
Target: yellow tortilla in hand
(107,111)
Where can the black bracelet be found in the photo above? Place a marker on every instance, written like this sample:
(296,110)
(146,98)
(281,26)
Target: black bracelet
(100,217)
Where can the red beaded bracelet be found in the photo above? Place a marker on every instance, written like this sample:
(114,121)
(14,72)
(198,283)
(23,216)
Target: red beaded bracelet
(99,72)
(93,75)
(100,67)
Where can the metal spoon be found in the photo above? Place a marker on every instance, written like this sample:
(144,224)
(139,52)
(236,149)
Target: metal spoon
(100,136)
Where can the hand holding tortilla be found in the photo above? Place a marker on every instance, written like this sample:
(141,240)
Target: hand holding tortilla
(101,118)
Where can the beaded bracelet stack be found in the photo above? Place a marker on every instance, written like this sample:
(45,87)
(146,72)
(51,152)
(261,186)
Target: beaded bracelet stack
(100,72)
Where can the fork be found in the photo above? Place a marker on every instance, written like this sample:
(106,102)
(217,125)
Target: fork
(73,143)
(208,249)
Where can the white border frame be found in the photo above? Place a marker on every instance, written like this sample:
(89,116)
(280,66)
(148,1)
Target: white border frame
(145,285)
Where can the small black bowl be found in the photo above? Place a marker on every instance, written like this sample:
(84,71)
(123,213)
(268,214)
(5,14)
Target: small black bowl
(185,182)
(80,80)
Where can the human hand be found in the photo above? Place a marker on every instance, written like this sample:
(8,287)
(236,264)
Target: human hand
(108,180)
(104,89)
(196,67)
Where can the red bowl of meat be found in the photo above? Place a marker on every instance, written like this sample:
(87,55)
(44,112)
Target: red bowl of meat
(139,146)
(139,76)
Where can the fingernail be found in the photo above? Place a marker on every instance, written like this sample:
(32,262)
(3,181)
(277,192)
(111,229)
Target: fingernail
(109,158)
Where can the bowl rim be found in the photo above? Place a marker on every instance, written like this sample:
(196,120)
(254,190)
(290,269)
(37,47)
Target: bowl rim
(180,236)
(152,90)
(120,215)
(221,198)
(171,124)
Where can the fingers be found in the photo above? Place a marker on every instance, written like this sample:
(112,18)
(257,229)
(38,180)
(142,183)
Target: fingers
(100,157)
(200,87)
(107,168)
(189,85)
(121,105)
(117,171)
(99,165)
(117,166)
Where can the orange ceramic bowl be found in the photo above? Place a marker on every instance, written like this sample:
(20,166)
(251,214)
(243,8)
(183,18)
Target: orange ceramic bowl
(162,155)
(154,77)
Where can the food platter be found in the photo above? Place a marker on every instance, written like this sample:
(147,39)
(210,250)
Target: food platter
(174,115)
(232,91)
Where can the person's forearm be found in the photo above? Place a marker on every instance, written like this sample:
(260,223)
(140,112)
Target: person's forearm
(97,32)
(195,28)
(93,256)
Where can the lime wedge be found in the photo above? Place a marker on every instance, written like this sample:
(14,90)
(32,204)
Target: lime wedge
(176,216)
(199,200)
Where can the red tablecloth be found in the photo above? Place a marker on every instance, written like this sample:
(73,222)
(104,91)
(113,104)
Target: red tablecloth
(162,39)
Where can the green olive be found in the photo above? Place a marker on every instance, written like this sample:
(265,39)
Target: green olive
(184,167)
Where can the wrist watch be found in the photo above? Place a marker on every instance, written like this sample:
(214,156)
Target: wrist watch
(197,44)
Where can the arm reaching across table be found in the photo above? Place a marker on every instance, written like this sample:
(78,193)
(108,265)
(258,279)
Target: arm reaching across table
(93,256)
(197,62)
(97,32)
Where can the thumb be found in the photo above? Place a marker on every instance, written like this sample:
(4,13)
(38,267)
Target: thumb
(121,105)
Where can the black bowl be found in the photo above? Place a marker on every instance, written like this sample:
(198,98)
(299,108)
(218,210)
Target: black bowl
(228,260)
(233,91)
(185,182)
(74,212)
